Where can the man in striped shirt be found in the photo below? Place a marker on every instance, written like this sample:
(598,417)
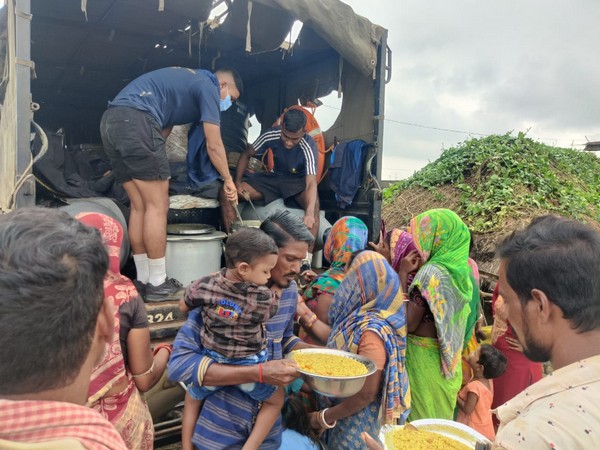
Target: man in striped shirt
(227,416)
(294,172)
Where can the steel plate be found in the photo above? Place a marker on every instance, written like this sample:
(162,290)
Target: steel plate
(189,228)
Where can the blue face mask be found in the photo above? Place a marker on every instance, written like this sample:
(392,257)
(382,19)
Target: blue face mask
(226,103)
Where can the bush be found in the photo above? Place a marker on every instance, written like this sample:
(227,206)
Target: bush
(500,177)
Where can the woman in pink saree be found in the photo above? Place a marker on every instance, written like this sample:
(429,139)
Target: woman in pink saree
(128,367)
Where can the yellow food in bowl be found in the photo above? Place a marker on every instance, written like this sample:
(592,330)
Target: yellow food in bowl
(447,430)
(407,439)
(329,365)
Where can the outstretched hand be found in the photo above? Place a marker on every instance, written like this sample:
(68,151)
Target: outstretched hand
(410,263)
(313,419)
(307,276)
(371,443)
(279,372)
(380,247)
(514,344)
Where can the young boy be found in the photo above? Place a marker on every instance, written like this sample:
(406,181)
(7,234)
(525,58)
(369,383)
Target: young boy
(235,304)
(475,399)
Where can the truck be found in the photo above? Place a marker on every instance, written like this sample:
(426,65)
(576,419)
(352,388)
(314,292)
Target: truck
(62,61)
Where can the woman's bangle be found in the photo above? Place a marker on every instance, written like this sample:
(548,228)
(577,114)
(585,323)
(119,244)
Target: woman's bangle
(260,373)
(147,372)
(167,347)
(323,422)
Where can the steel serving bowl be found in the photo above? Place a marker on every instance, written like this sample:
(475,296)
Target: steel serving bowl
(330,386)
(453,430)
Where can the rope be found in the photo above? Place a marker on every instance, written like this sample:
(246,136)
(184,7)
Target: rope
(26,175)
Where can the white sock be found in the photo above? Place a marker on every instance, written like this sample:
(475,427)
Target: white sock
(157,271)
(141,267)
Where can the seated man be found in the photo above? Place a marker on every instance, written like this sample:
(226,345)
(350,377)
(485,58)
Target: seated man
(294,174)
(54,327)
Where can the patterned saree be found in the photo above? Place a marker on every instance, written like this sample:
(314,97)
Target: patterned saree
(444,281)
(370,299)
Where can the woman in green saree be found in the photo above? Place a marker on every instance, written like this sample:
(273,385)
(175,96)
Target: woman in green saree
(437,310)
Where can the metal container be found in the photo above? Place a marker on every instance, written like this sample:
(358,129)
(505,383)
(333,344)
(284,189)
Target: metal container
(191,209)
(186,229)
(453,430)
(339,387)
(235,226)
(208,216)
(190,257)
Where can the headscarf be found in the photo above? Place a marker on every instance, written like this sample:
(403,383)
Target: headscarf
(347,235)
(442,240)
(473,316)
(401,244)
(120,290)
(370,299)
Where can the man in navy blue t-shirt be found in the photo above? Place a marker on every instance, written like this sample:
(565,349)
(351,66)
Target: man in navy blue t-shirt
(134,129)
(294,173)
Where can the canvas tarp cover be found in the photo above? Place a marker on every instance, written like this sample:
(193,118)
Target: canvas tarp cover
(354,37)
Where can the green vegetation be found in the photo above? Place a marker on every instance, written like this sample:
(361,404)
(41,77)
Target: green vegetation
(500,177)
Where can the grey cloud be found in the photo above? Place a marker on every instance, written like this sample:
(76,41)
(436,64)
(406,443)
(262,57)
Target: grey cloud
(522,63)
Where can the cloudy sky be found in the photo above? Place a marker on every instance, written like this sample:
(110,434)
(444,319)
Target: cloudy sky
(481,67)
(486,67)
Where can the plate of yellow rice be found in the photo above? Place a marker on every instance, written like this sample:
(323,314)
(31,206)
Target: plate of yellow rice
(333,373)
(430,434)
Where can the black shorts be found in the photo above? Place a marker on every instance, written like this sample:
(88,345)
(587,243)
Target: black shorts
(134,145)
(273,187)
(207,190)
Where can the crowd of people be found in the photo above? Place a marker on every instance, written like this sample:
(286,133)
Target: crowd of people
(78,356)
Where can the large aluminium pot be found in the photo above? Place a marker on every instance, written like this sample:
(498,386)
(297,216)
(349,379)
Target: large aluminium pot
(191,256)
